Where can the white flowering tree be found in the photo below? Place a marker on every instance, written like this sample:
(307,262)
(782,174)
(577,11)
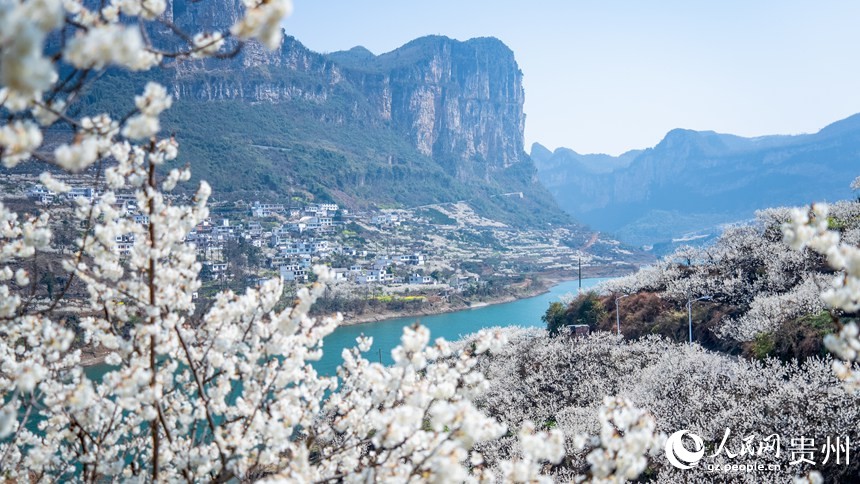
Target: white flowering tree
(810,228)
(218,394)
(762,293)
(660,387)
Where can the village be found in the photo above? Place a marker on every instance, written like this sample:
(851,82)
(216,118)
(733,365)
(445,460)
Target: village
(440,252)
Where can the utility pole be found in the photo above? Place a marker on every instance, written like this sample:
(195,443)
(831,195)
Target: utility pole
(618,314)
(580,274)
(690,312)
(690,318)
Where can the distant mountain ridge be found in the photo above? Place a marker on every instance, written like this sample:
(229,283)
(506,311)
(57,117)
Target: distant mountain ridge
(693,181)
(564,158)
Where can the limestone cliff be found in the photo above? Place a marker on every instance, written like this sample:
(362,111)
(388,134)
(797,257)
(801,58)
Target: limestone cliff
(436,120)
(458,102)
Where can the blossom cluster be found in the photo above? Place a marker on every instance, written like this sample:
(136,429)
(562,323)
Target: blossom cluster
(627,438)
(810,228)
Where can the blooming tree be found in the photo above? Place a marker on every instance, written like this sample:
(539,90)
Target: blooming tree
(661,387)
(222,393)
(811,228)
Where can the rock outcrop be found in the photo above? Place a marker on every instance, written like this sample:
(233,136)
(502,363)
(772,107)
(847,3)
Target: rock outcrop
(460,103)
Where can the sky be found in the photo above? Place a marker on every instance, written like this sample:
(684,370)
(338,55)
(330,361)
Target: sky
(607,76)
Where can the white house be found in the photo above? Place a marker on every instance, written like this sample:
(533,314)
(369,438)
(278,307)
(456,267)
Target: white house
(255,229)
(416,259)
(41,194)
(261,210)
(320,247)
(86,193)
(386,220)
(340,274)
(382,262)
(367,278)
(293,272)
(381,275)
(459,282)
(420,279)
(216,269)
(213,252)
(280,241)
(123,244)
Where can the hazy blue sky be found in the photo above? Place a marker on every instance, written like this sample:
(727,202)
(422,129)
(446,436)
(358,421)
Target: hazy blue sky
(608,76)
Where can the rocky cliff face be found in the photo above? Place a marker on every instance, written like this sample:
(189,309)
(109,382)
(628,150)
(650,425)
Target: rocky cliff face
(460,103)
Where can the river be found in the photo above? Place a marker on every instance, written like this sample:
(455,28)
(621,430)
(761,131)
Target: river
(451,326)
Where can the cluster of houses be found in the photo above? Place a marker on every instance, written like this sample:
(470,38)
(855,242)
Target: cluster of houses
(43,196)
(380,271)
(125,203)
(301,240)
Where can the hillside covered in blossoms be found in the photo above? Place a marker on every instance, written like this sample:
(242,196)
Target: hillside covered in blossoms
(149,334)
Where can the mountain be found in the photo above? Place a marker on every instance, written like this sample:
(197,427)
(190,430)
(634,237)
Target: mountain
(436,120)
(563,160)
(691,182)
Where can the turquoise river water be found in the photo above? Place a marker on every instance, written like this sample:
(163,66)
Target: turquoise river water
(451,326)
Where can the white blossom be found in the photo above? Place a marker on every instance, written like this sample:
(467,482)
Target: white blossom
(47,114)
(561,383)
(151,104)
(77,156)
(207,44)
(108,44)
(262,21)
(18,141)
(24,71)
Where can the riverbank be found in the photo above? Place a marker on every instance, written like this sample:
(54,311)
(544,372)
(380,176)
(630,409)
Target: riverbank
(544,281)
(444,307)
(96,356)
(451,326)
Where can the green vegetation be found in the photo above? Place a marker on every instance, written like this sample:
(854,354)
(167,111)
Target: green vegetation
(645,314)
(323,150)
(803,336)
(554,317)
(377,304)
(587,309)
(393,297)
(762,346)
